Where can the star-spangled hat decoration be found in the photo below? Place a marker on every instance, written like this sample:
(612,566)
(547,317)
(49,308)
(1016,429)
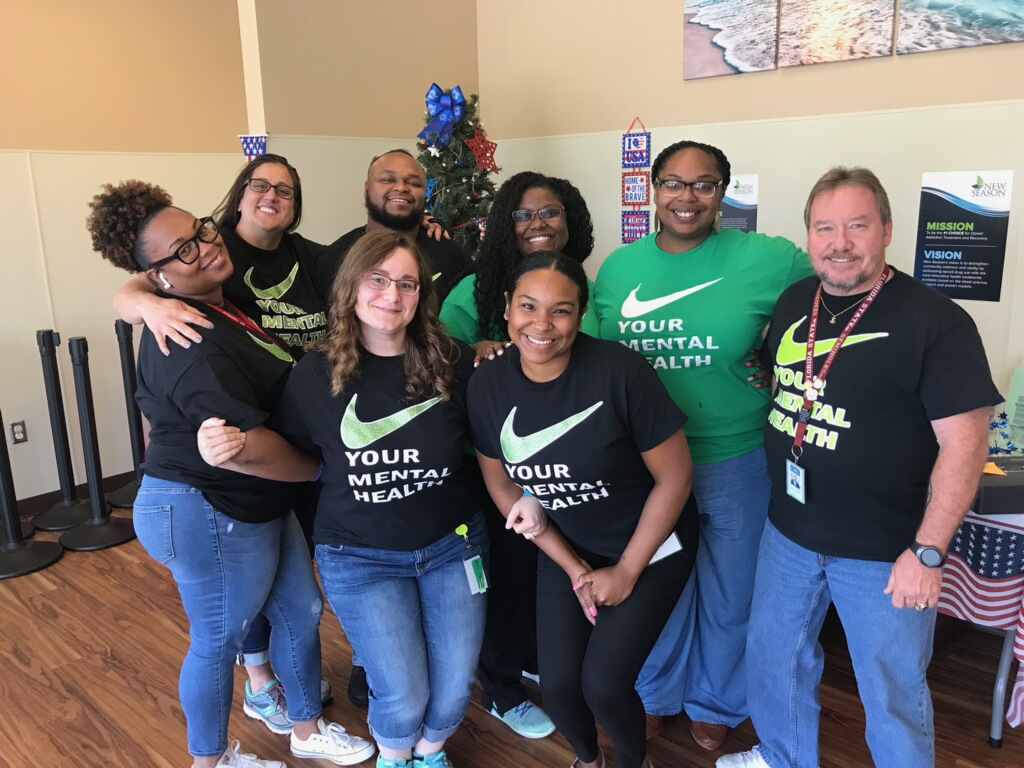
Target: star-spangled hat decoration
(483,150)
(253,145)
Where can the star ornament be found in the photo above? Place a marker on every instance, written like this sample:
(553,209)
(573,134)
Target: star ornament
(483,150)
(434,151)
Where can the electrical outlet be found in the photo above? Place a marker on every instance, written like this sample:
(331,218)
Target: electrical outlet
(18,433)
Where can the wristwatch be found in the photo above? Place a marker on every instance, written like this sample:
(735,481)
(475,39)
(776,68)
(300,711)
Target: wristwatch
(930,557)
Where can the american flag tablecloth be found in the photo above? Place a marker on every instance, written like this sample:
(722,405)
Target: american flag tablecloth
(983,583)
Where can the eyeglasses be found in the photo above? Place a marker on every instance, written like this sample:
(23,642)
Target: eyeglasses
(380,282)
(675,187)
(259,186)
(525,215)
(188,251)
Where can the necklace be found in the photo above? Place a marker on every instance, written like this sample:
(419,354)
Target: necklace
(840,312)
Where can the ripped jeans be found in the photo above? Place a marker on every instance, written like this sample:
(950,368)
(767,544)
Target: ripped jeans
(227,572)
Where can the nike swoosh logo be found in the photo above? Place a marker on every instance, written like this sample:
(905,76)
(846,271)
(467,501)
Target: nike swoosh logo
(272,348)
(358,434)
(517,449)
(791,351)
(634,307)
(274,291)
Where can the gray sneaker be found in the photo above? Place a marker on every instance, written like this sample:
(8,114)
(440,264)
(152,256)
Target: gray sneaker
(268,704)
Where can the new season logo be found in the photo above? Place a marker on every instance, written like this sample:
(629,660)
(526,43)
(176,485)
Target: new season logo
(517,449)
(358,434)
(981,189)
(274,291)
(634,307)
(791,351)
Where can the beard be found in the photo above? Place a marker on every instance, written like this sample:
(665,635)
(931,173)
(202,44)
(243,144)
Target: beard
(390,220)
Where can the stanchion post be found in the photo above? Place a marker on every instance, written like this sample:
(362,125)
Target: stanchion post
(125,496)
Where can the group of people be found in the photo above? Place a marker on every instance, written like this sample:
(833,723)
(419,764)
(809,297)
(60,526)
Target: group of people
(638,507)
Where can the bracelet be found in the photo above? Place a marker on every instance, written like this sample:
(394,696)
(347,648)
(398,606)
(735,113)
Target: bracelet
(319,471)
(526,492)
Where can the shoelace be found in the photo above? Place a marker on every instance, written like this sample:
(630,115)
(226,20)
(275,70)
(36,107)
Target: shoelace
(276,693)
(522,709)
(239,759)
(337,735)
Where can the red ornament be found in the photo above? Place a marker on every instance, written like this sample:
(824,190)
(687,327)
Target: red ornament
(483,150)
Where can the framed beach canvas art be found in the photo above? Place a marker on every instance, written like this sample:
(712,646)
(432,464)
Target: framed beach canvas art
(818,31)
(935,25)
(728,37)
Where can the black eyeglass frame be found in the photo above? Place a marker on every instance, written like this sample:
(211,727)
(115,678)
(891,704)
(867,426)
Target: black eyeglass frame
(289,194)
(206,221)
(559,210)
(691,184)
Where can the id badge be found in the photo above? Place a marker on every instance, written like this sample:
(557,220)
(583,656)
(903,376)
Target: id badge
(475,575)
(796,481)
(670,546)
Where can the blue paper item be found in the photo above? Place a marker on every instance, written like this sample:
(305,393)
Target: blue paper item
(446,109)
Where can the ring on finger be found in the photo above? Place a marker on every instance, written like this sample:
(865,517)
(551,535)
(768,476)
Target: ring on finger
(921,606)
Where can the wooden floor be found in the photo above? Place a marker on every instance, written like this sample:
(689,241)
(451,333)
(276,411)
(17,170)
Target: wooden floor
(91,647)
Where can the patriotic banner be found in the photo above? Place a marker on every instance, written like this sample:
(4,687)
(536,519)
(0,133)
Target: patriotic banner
(983,583)
(253,145)
(636,183)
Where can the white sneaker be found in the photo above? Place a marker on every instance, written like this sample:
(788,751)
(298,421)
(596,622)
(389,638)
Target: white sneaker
(234,758)
(749,759)
(333,743)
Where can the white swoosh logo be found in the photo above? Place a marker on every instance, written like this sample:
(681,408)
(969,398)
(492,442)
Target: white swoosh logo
(634,307)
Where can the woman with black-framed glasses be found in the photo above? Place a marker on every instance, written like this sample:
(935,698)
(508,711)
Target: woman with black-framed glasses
(695,299)
(231,541)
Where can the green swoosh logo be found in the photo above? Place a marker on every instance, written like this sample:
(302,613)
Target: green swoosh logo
(517,449)
(272,348)
(274,291)
(434,278)
(791,351)
(358,434)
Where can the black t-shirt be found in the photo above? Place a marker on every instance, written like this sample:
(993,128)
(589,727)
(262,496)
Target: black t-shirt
(396,472)
(277,289)
(914,357)
(575,442)
(447,260)
(231,374)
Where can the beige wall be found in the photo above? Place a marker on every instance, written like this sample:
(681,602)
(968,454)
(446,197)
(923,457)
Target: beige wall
(121,75)
(600,62)
(346,68)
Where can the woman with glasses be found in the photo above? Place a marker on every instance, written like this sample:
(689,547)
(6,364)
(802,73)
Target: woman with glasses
(695,299)
(531,212)
(231,542)
(583,427)
(401,542)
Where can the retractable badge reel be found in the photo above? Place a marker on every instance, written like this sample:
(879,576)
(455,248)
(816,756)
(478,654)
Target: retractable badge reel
(473,564)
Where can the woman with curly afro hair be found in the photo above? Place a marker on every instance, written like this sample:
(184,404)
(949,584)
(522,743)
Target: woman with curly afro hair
(531,213)
(231,541)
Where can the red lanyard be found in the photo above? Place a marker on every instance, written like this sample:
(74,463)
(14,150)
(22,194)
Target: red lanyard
(814,384)
(246,322)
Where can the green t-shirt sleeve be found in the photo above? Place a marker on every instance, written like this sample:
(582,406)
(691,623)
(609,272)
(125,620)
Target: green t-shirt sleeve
(458,313)
(799,268)
(591,321)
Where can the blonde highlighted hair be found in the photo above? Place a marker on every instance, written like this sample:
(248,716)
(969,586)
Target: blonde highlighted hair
(429,352)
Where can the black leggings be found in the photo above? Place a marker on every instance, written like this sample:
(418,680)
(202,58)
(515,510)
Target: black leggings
(589,671)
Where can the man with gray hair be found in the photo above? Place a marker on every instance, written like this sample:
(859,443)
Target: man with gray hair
(875,445)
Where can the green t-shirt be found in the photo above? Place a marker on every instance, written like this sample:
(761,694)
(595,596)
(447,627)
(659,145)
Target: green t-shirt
(459,315)
(695,316)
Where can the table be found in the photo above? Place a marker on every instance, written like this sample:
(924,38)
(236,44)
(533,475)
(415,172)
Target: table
(983,583)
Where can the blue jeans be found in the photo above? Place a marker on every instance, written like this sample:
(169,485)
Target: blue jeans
(417,628)
(698,663)
(228,572)
(890,649)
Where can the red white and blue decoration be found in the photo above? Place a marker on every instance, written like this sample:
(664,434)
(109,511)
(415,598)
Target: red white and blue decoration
(636,188)
(636,147)
(483,150)
(253,145)
(636,183)
(445,107)
(635,224)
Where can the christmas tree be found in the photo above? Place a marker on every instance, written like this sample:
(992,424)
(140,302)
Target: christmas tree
(458,160)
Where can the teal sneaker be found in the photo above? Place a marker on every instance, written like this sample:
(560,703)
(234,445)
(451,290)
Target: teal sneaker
(528,720)
(433,760)
(396,762)
(268,705)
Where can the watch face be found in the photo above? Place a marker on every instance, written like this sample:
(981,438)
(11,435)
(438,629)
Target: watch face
(930,556)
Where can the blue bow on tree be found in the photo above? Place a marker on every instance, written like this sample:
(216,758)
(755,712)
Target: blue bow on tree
(446,109)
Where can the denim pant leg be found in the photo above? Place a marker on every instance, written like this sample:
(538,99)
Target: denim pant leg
(381,603)
(785,659)
(699,660)
(256,646)
(453,628)
(890,649)
(294,608)
(224,570)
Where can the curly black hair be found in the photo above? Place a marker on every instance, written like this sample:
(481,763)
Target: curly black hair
(226,214)
(498,255)
(119,217)
(721,161)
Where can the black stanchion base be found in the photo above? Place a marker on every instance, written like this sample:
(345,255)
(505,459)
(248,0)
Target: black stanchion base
(62,515)
(27,529)
(99,533)
(28,557)
(124,497)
